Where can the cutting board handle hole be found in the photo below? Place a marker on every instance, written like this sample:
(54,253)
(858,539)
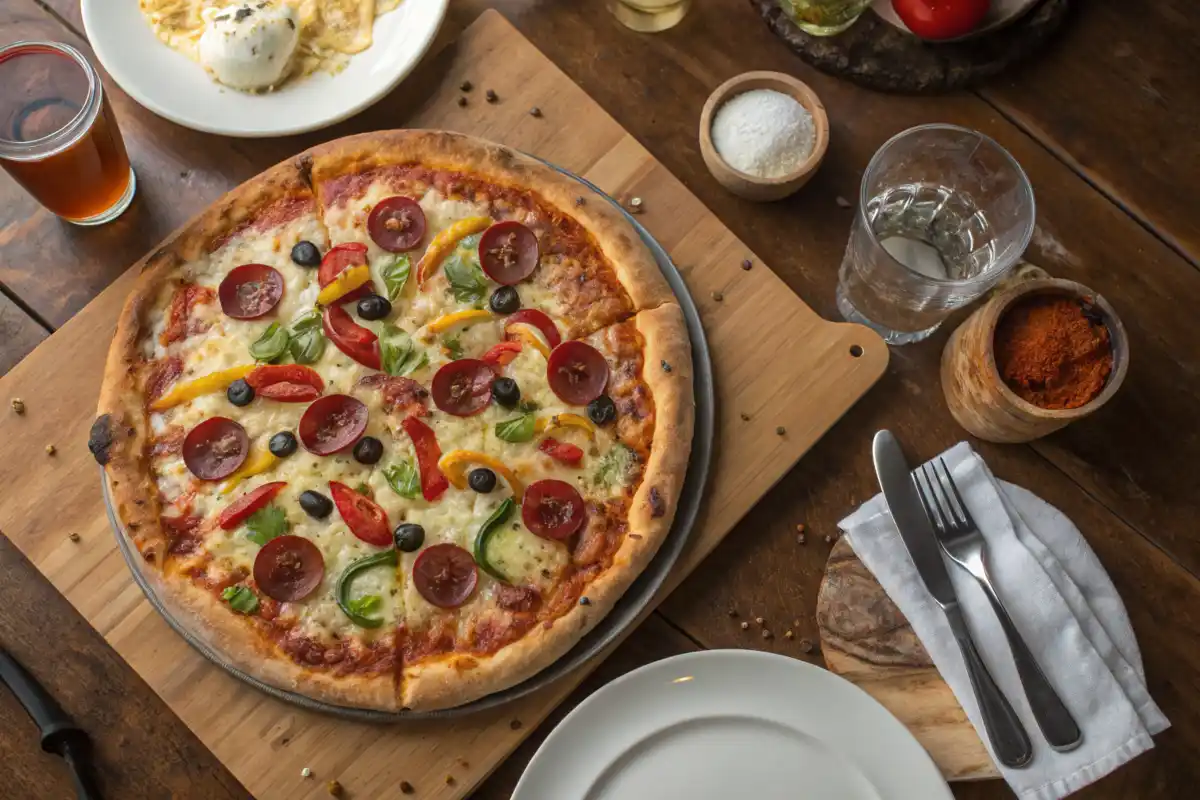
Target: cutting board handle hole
(856,351)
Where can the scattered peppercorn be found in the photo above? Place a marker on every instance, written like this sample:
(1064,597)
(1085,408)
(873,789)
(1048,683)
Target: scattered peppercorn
(535,112)
(806,646)
(766,634)
(449,780)
(718,296)
(733,612)
(781,430)
(584,601)
(581,200)
(795,623)
(490,96)
(406,787)
(462,102)
(745,626)
(74,537)
(466,86)
(759,620)
(635,205)
(828,538)
(51,449)
(745,417)
(789,635)
(842,202)
(515,725)
(801,538)
(462,762)
(335,788)
(747,264)
(18,405)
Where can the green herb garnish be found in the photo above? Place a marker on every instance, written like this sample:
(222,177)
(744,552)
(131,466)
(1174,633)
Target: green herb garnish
(517,429)
(395,275)
(241,599)
(272,344)
(266,524)
(307,339)
(364,605)
(466,278)
(398,354)
(453,347)
(404,479)
(388,558)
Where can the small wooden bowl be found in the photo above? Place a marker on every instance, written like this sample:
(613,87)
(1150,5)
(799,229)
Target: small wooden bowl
(977,395)
(749,186)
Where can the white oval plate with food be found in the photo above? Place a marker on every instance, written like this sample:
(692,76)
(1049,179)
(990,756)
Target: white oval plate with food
(175,87)
(1001,13)
(722,724)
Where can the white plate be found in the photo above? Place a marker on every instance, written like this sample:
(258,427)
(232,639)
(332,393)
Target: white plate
(1001,13)
(728,724)
(173,86)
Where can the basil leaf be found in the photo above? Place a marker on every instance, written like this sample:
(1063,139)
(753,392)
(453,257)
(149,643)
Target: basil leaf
(307,322)
(308,347)
(395,350)
(241,599)
(453,347)
(395,275)
(271,345)
(266,524)
(517,429)
(404,479)
(614,466)
(466,278)
(364,605)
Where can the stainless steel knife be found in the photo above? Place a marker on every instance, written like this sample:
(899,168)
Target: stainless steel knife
(1010,743)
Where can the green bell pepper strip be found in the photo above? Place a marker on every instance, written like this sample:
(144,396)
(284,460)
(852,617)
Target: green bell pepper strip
(342,590)
(494,523)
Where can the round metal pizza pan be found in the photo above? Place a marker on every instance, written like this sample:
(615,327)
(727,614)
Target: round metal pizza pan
(623,614)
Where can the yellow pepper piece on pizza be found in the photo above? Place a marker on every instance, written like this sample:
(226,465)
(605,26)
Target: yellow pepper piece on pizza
(448,321)
(454,466)
(530,335)
(258,462)
(207,384)
(445,242)
(549,425)
(346,282)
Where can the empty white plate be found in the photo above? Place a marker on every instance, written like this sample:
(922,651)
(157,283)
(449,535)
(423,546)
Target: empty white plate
(173,86)
(724,724)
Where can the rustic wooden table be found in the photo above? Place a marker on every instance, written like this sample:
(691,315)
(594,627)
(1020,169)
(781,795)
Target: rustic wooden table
(1106,123)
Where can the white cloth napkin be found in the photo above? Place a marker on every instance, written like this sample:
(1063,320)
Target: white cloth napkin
(1061,600)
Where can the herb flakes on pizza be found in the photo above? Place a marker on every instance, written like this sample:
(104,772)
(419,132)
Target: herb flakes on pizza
(394,424)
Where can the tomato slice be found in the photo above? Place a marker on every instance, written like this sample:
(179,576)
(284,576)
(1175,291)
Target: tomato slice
(250,291)
(577,373)
(508,252)
(499,355)
(288,383)
(941,19)
(362,515)
(539,320)
(351,338)
(565,452)
(339,259)
(445,575)
(332,423)
(215,448)
(288,568)
(433,481)
(463,388)
(236,512)
(552,509)
(396,224)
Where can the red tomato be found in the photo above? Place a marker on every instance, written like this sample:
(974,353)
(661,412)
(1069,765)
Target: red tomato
(340,258)
(433,482)
(287,383)
(236,512)
(565,452)
(250,291)
(941,19)
(362,515)
(539,320)
(501,354)
(351,338)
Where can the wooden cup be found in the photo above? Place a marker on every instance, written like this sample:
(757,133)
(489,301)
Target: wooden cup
(753,187)
(978,397)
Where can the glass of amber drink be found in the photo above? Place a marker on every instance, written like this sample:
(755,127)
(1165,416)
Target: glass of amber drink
(58,137)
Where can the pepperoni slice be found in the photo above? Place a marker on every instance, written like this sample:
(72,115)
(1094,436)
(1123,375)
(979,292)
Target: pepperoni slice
(577,372)
(362,515)
(332,423)
(351,338)
(539,320)
(433,482)
(287,383)
(508,252)
(552,509)
(445,575)
(250,291)
(239,510)
(288,568)
(463,387)
(402,396)
(564,452)
(339,259)
(215,448)
(396,224)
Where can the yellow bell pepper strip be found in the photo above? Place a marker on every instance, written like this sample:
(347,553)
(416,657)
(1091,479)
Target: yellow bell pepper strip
(259,461)
(454,466)
(346,282)
(445,242)
(208,384)
(531,336)
(448,321)
(549,425)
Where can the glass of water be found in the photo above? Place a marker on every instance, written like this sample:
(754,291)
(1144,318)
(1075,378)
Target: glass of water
(943,214)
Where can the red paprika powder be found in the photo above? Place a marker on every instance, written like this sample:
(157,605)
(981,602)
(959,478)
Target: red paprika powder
(1053,351)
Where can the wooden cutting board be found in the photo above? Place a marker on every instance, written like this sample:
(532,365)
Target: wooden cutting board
(775,361)
(865,639)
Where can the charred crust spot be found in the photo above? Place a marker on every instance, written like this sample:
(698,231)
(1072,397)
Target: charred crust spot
(658,506)
(100,439)
(304,165)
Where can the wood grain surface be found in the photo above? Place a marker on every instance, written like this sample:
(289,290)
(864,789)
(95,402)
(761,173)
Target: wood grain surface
(1104,121)
(768,413)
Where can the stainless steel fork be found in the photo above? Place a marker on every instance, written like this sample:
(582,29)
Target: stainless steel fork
(961,540)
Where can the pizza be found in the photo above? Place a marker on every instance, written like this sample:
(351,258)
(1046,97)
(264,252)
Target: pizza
(395,423)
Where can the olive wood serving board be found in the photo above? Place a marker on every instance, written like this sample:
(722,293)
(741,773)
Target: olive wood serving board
(865,639)
(774,359)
